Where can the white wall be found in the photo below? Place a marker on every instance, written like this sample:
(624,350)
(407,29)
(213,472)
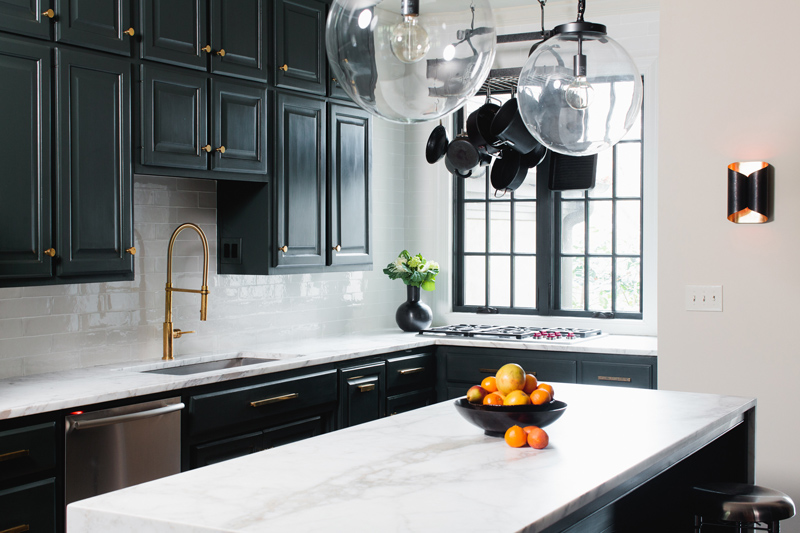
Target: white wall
(727,94)
(46,329)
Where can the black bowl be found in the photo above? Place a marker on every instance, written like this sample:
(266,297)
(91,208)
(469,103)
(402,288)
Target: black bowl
(494,420)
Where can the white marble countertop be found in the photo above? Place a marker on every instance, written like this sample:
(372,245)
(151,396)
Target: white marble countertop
(428,470)
(64,390)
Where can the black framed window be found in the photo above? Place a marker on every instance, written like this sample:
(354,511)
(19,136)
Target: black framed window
(538,251)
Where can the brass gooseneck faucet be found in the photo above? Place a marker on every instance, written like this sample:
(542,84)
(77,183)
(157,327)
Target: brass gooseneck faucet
(171,334)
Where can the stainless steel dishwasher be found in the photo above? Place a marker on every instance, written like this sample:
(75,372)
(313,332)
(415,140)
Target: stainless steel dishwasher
(116,448)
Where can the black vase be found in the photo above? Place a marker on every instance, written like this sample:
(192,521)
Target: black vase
(413,315)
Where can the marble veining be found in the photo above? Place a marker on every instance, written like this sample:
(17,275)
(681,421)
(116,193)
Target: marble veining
(426,470)
(40,393)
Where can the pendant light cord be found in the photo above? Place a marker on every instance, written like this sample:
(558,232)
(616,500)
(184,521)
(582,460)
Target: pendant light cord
(541,4)
(581,9)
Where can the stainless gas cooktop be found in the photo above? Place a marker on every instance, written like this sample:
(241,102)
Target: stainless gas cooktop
(515,333)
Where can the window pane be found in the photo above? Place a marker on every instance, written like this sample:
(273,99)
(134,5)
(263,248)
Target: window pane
(600,283)
(474,280)
(525,281)
(500,227)
(629,169)
(628,284)
(572,227)
(525,227)
(600,228)
(500,281)
(628,226)
(527,190)
(475,227)
(474,189)
(572,283)
(575,193)
(604,176)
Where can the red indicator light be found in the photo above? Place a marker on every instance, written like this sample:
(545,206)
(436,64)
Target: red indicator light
(76,413)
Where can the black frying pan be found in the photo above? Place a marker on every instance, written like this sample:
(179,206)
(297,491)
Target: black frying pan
(462,154)
(508,173)
(437,144)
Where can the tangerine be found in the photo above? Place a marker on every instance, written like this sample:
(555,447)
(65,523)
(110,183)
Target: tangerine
(540,397)
(549,389)
(493,398)
(517,397)
(536,437)
(510,377)
(531,383)
(515,437)
(490,384)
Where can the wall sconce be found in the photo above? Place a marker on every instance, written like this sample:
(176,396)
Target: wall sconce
(749,191)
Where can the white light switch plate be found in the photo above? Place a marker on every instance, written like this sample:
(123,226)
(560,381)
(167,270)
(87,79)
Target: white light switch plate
(704,297)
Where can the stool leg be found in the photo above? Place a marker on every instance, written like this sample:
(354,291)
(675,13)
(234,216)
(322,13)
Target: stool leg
(698,523)
(775,527)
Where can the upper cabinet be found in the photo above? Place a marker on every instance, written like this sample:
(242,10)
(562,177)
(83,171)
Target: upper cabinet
(27,17)
(226,37)
(300,61)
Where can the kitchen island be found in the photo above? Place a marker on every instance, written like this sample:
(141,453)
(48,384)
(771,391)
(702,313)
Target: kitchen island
(617,457)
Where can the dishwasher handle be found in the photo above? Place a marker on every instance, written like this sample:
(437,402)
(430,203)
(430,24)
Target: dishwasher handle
(130,417)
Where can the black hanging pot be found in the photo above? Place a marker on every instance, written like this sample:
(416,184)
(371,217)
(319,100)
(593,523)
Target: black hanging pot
(437,144)
(508,173)
(534,157)
(462,154)
(509,129)
(454,171)
(479,124)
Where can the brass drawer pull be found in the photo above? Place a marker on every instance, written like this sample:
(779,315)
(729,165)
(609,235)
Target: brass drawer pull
(131,250)
(206,49)
(221,52)
(366,388)
(488,371)
(614,378)
(52,253)
(49,14)
(284,68)
(337,248)
(130,32)
(266,401)
(284,248)
(407,371)
(10,456)
(221,149)
(207,148)
(17,529)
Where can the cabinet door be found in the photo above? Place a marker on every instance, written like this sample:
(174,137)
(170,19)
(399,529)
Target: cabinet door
(32,505)
(25,17)
(300,45)
(363,393)
(98,24)
(175,32)
(25,185)
(240,124)
(94,184)
(174,118)
(349,226)
(300,181)
(239,37)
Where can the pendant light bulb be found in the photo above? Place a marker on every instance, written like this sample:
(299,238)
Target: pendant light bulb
(410,41)
(579,93)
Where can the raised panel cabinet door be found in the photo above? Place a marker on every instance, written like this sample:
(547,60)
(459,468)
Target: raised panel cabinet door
(240,126)
(32,505)
(97,24)
(94,183)
(300,182)
(174,121)
(25,178)
(175,32)
(27,17)
(349,208)
(300,61)
(239,34)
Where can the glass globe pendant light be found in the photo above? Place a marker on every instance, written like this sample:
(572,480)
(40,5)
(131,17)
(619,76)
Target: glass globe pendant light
(410,61)
(579,92)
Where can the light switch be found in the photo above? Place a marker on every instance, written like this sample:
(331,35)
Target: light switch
(704,297)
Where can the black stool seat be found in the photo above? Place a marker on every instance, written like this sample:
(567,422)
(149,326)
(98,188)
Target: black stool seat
(740,502)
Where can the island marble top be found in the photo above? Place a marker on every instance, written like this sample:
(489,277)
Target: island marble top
(41,393)
(427,470)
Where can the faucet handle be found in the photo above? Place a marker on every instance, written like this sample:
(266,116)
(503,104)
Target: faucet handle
(176,333)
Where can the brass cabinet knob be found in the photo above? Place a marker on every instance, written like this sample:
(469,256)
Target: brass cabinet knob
(221,52)
(284,248)
(206,49)
(221,149)
(131,250)
(334,80)
(51,252)
(337,248)
(49,13)
(207,148)
(129,32)
(284,68)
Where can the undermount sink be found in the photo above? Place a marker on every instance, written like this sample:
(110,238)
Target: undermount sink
(208,366)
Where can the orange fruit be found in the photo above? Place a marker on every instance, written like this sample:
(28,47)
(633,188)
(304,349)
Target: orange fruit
(540,397)
(517,397)
(536,437)
(549,389)
(510,377)
(493,398)
(515,437)
(531,383)
(490,384)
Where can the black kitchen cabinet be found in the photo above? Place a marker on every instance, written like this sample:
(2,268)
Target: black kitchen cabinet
(363,393)
(226,37)
(98,24)
(410,380)
(300,60)
(26,17)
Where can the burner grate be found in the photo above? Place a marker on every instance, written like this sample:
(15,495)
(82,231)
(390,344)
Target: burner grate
(512,332)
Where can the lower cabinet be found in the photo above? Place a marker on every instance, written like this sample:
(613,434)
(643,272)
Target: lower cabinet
(363,392)
(29,507)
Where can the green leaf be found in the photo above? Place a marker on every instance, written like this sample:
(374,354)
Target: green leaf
(428,285)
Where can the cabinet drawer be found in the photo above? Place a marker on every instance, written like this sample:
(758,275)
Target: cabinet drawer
(27,450)
(617,374)
(410,372)
(363,394)
(472,368)
(32,505)
(400,403)
(233,407)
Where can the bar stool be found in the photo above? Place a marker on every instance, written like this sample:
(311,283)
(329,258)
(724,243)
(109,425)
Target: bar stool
(741,506)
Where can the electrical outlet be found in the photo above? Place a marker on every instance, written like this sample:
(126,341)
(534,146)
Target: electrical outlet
(704,297)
